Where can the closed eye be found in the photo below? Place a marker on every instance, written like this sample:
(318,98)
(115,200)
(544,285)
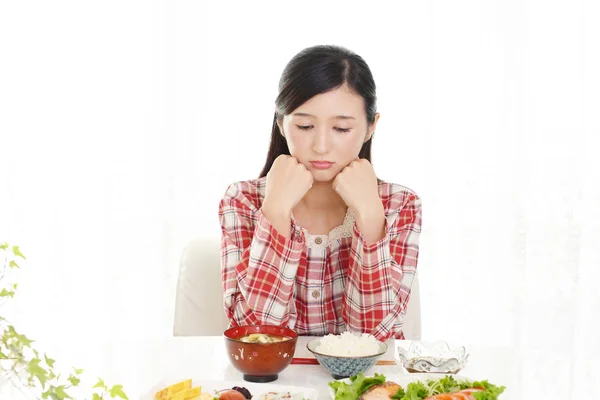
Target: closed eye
(308,127)
(342,129)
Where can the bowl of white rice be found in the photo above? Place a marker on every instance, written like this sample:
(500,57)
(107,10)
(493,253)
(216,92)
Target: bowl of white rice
(347,354)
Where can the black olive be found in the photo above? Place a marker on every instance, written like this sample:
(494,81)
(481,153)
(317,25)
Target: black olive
(243,391)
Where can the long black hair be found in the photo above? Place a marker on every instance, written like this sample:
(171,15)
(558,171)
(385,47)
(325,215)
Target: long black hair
(317,70)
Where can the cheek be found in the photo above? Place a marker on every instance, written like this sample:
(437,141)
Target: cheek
(298,141)
(348,145)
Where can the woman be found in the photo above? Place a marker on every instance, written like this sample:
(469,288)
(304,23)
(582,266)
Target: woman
(318,243)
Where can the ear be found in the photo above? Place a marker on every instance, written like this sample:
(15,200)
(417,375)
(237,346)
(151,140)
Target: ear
(279,125)
(372,128)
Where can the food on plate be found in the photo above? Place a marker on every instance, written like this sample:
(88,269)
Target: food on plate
(187,394)
(359,384)
(466,394)
(382,391)
(243,391)
(184,391)
(263,338)
(235,393)
(378,387)
(279,396)
(167,392)
(231,395)
(348,345)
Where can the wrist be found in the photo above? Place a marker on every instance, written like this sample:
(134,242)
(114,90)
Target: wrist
(371,210)
(274,209)
(279,218)
(370,222)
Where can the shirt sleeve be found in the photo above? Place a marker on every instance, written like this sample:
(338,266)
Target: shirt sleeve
(380,274)
(258,264)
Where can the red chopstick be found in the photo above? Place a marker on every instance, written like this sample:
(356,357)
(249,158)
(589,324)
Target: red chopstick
(304,361)
(313,361)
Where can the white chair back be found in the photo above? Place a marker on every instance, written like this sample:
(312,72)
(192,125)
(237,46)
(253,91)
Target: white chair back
(199,300)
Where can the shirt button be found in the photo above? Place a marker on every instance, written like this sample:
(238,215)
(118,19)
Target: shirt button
(318,240)
(316,294)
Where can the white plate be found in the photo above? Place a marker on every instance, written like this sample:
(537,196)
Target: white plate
(256,389)
(402,379)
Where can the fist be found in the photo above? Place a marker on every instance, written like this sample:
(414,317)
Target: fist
(287,183)
(357,185)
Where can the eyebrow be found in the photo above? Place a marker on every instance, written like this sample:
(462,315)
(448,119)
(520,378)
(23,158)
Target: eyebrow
(310,115)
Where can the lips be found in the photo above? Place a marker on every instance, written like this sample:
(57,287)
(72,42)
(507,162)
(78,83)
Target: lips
(321,164)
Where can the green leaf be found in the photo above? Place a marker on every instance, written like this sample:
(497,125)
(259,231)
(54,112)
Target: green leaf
(117,391)
(74,380)
(34,369)
(399,394)
(7,293)
(23,339)
(491,391)
(18,253)
(50,362)
(100,384)
(60,392)
(416,391)
(359,385)
(13,264)
(96,396)
(3,356)
(4,246)
(78,371)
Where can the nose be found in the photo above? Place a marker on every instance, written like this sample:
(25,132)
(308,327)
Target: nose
(321,141)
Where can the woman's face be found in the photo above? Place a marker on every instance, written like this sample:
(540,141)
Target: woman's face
(327,132)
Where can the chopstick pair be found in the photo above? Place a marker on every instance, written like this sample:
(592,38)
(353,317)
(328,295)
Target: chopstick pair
(313,361)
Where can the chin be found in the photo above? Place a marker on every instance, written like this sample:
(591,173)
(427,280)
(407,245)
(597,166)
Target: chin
(324,175)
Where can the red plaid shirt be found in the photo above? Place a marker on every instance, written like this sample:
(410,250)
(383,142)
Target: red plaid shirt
(318,284)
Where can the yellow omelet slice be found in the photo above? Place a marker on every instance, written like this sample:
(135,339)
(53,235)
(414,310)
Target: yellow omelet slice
(187,394)
(173,389)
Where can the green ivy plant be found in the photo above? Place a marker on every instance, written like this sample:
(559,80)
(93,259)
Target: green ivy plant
(24,365)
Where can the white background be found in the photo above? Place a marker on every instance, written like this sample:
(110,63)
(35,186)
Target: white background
(122,123)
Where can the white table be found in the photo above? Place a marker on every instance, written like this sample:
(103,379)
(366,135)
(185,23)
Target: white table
(144,363)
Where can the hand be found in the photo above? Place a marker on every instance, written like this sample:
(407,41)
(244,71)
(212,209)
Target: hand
(357,185)
(287,183)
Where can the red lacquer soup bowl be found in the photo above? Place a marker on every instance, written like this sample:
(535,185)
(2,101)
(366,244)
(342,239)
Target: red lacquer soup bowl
(260,352)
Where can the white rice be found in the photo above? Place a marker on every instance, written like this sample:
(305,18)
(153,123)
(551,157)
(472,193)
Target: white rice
(348,345)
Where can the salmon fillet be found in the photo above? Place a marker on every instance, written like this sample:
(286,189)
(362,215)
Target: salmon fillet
(383,391)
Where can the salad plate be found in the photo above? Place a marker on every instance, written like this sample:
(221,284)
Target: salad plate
(417,386)
(402,379)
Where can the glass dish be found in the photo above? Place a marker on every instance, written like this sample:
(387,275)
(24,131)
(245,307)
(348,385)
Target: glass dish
(432,357)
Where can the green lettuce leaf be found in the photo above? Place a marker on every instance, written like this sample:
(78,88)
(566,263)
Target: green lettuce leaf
(359,385)
(491,391)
